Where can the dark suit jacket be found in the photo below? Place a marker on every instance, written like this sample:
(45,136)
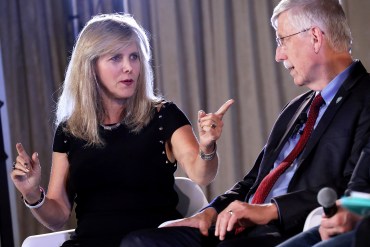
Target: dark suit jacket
(328,159)
(360,181)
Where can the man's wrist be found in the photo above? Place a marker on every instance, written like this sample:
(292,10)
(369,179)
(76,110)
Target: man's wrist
(275,210)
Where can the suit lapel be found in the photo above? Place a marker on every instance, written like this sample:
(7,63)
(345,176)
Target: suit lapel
(336,103)
(324,123)
(271,155)
(292,123)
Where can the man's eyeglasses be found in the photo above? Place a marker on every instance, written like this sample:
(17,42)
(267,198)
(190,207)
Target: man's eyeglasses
(279,40)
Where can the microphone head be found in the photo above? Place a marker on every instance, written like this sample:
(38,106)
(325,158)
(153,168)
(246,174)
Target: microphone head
(327,197)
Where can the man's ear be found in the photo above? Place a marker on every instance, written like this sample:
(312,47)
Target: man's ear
(317,38)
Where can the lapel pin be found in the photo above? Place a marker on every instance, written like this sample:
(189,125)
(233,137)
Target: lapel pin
(339,99)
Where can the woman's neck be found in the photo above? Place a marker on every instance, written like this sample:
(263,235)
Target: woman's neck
(113,114)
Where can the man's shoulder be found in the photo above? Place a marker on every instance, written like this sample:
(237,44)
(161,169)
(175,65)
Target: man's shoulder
(357,76)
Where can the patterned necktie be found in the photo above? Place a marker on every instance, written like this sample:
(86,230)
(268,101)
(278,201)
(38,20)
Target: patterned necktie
(268,182)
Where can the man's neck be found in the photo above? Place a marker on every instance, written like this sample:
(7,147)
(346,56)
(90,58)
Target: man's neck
(331,66)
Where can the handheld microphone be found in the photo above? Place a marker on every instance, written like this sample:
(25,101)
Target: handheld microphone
(326,198)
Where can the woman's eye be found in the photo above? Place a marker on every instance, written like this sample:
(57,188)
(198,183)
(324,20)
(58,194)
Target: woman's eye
(116,58)
(134,56)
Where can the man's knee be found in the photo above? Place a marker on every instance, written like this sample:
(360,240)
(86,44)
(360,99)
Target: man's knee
(161,237)
(132,240)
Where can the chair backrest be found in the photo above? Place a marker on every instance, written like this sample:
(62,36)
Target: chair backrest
(191,196)
(191,199)
(53,239)
(313,219)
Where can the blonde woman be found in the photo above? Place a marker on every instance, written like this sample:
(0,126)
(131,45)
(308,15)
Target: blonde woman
(117,144)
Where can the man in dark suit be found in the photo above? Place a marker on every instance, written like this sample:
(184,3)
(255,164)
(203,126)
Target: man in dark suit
(314,43)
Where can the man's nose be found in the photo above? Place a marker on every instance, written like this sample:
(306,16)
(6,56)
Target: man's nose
(280,54)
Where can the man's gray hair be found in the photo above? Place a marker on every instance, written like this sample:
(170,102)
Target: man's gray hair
(328,15)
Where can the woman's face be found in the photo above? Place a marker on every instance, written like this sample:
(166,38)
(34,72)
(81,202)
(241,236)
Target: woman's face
(118,72)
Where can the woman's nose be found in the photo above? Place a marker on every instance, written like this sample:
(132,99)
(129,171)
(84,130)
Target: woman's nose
(127,66)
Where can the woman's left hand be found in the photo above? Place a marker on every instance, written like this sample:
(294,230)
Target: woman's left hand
(210,126)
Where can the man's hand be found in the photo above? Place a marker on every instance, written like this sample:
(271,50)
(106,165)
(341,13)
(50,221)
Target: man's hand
(242,214)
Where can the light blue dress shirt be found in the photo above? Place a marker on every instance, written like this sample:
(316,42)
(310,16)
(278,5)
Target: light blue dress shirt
(328,93)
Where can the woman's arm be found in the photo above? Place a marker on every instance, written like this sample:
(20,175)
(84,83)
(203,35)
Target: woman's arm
(56,209)
(186,149)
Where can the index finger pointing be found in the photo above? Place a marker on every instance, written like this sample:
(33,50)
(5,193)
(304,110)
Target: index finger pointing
(223,109)
(20,149)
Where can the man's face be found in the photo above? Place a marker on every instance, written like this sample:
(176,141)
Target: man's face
(295,51)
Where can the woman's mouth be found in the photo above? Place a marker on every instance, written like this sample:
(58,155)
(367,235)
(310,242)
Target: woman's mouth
(127,82)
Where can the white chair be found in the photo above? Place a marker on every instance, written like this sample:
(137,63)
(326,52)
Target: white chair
(191,199)
(53,239)
(191,196)
(313,218)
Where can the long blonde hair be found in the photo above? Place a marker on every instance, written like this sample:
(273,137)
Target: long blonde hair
(80,104)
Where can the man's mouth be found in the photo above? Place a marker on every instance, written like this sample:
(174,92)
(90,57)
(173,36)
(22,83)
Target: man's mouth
(288,66)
